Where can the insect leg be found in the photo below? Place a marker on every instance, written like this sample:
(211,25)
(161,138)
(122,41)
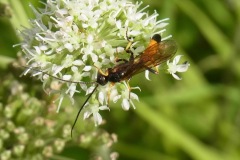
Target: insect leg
(119,59)
(131,59)
(123,60)
(101,72)
(154,71)
(129,41)
(127,49)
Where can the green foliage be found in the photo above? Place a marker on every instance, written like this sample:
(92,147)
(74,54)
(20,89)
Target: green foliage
(195,118)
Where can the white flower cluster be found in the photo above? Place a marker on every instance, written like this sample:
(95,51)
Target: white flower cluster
(72,39)
(174,67)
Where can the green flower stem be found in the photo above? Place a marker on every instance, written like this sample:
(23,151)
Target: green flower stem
(192,146)
(236,3)
(218,40)
(57,157)
(5,61)
(19,17)
(136,152)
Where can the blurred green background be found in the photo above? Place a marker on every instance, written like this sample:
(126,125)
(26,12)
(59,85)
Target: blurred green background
(195,118)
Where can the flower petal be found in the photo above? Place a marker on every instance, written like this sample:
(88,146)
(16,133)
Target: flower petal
(134,96)
(66,77)
(87,68)
(125,104)
(90,90)
(97,118)
(147,75)
(105,107)
(78,62)
(86,114)
(116,98)
(101,97)
(176,76)
(183,67)
(176,59)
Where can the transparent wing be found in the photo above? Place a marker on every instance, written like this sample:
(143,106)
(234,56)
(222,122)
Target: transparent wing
(153,56)
(159,53)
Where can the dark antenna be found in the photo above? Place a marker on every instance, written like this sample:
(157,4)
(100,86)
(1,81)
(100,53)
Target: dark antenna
(79,111)
(31,68)
(75,121)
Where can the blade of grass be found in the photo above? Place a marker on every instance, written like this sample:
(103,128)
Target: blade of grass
(216,38)
(219,13)
(19,17)
(137,152)
(5,61)
(192,146)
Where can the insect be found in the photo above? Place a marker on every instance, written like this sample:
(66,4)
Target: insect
(156,53)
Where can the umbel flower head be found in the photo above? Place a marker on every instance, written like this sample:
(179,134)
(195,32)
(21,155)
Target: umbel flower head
(31,129)
(73,39)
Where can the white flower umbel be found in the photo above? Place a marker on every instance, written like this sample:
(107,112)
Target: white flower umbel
(126,95)
(174,67)
(93,109)
(70,39)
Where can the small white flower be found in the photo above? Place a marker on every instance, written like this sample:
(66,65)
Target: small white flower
(93,109)
(126,96)
(174,67)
